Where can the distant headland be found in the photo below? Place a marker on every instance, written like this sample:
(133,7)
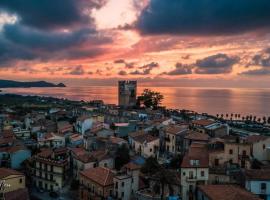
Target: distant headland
(19,84)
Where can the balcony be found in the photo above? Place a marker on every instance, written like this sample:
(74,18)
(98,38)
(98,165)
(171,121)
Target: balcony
(263,191)
(243,157)
(191,178)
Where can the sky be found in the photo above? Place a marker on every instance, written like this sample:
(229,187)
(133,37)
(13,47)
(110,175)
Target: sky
(211,43)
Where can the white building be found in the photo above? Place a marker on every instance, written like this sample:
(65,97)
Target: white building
(126,184)
(258,182)
(145,144)
(83,124)
(22,133)
(259,146)
(51,140)
(194,170)
(173,139)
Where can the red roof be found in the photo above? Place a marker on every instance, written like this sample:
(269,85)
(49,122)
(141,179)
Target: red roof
(226,192)
(4,172)
(175,129)
(145,138)
(132,166)
(256,138)
(258,174)
(196,152)
(203,122)
(194,135)
(100,175)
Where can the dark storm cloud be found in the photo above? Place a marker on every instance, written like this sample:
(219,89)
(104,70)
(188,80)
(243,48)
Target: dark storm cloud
(50,13)
(257,72)
(180,69)
(146,69)
(216,64)
(262,59)
(10,51)
(204,16)
(39,31)
(33,38)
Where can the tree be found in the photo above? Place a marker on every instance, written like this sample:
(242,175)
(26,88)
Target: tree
(176,162)
(122,157)
(150,99)
(150,166)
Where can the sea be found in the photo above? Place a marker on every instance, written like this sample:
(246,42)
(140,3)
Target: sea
(202,100)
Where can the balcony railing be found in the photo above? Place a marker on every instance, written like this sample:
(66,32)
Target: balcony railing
(243,157)
(191,178)
(263,191)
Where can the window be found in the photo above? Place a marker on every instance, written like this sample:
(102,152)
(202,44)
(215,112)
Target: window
(20,180)
(263,186)
(123,184)
(244,152)
(150,149)
(231,151)
(263,146)
(202,173)
(184,173)
(105,164)
(123,194)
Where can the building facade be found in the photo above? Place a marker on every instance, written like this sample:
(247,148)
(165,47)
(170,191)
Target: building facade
(127,92)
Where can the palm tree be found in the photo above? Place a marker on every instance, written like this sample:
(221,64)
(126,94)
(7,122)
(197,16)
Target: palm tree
(254,118)
(268,120)
(259,120)
(264,119)
(227,115)
(222,115)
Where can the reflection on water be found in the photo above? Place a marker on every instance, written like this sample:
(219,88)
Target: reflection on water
(243,101)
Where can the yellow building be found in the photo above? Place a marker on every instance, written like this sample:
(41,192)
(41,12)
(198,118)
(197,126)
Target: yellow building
(12,184)
(50,168)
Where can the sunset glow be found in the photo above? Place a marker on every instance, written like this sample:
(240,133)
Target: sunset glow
(97,39)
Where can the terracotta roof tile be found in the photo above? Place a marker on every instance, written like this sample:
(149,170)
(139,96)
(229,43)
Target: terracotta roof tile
(132,166)
(101,175)
(203,122)
(258,174)
(226,192)
(175,129)
(196,152)
(194,135)
(145,138)
(4,172)
(256,138)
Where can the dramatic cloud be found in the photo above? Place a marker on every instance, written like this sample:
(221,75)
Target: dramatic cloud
(204,16)
(76,70)
(262,59)
(64,27)
(216,64)
(50,14)
(128,65)
(256,72)
(180,69)
(146,69)
(122,73)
